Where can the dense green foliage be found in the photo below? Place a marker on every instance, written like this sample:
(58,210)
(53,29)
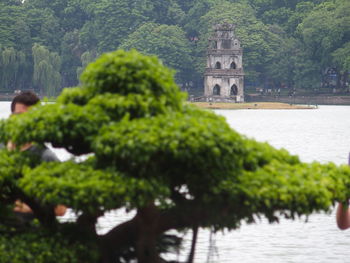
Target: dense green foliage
(177,166)
(42,247)
(286,43)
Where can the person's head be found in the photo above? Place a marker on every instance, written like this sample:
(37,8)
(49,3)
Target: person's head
(23,101)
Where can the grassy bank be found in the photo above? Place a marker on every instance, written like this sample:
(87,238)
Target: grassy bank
(254,105)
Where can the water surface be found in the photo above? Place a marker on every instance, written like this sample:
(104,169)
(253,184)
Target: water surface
(315,135)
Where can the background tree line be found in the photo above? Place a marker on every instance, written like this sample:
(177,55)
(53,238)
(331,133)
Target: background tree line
(46,44)
(171,164)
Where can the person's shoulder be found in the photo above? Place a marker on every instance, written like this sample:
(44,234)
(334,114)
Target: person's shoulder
(49,156)
(46,155)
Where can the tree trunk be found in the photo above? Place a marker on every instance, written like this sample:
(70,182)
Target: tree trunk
(147,221)
(193,245)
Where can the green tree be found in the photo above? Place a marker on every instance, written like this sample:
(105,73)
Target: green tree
(166,12)
(44,26)
(71,51)
(277,16)
(169,43)
(9,15)
(87,36)
(50,32)
(46,76)
(185,4)
(72,27)
(341,58)
(191,21)
(86,58)
(112,21)
(22,38)
(266,6)
(326,30)
(301,11)
(320,32)
(57,6)
(9,66)
(178,166)
(74,16)
(13,70)
(291,66)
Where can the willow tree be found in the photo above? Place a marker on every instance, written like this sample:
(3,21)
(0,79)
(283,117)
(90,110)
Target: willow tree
(177,166)
(86,58)
(14,70)
(46,74)
(9,67)
(11,61)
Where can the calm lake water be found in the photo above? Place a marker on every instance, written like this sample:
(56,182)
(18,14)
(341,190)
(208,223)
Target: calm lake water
(315,135)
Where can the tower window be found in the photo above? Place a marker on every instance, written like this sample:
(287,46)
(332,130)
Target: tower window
(216,90)
(233,65)
(218,65)
(234,90)
(226,44)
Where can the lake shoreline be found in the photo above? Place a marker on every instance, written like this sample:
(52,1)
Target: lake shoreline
(252,106)
(317,99)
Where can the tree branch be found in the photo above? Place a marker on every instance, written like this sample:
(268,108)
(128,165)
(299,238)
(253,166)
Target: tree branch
(123,235)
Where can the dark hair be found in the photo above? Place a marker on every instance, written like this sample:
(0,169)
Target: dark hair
(27,98)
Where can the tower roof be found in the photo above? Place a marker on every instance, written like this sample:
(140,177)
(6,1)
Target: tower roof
(224,27)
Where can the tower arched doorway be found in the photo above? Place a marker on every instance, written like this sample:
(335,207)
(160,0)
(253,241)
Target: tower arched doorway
(216,90)
(218,65)
(234,90)
(233,65)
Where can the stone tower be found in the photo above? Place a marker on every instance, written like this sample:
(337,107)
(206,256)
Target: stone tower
(224,76)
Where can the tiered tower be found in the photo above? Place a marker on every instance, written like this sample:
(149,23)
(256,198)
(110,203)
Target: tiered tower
(224,76)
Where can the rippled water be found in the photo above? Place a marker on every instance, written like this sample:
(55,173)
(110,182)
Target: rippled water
(315,135)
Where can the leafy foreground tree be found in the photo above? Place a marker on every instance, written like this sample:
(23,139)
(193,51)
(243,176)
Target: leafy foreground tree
(178,166)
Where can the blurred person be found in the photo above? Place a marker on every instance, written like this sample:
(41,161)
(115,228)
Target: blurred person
(20,104)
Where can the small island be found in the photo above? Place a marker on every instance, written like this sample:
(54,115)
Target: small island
(253,105)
